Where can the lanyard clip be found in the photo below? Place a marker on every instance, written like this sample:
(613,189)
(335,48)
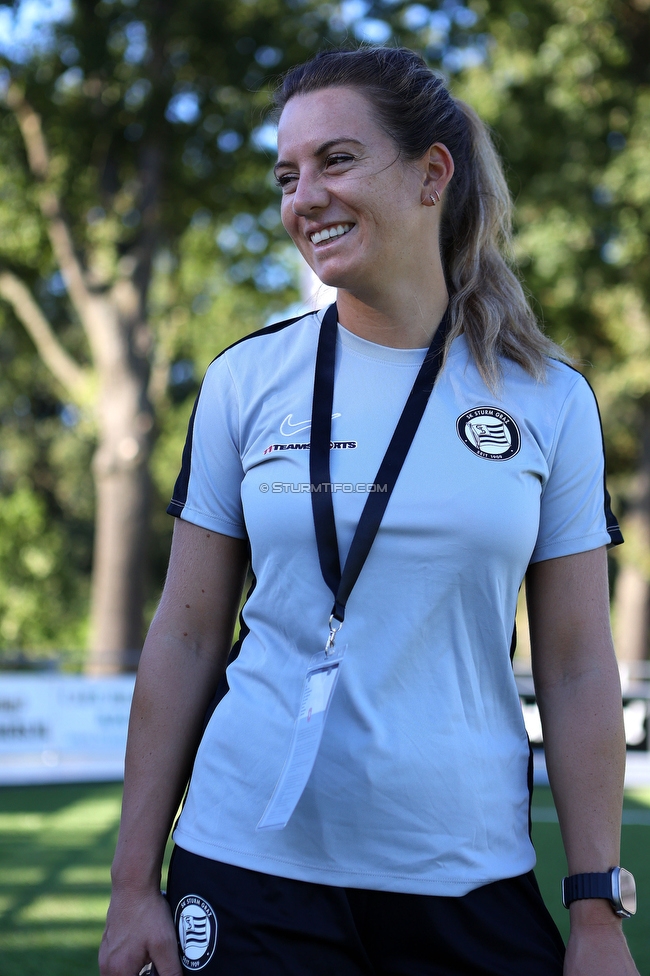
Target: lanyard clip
(329,646)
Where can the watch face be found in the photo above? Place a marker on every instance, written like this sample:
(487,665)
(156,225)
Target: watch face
(627,891)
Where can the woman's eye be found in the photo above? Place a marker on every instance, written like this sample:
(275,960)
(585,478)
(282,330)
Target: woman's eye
(339,158)
(285,180)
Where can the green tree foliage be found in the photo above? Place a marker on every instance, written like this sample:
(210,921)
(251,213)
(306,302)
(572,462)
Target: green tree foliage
(567,87)
(46,507)
(154,115)
(137,222)
(568,90)
(37,577)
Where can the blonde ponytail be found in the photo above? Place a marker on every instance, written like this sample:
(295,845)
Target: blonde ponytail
(488,303)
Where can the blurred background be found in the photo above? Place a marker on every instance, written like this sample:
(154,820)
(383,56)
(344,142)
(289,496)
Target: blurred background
(140,235)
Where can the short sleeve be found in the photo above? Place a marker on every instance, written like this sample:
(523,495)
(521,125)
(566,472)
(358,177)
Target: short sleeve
(208,489)
(575,511)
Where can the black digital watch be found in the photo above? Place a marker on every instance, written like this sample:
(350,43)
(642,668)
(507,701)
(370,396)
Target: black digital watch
(617,886)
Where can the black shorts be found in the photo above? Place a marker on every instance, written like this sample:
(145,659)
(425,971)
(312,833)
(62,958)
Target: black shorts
(235,922)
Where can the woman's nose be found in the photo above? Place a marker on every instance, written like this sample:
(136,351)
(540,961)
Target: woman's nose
(309,195)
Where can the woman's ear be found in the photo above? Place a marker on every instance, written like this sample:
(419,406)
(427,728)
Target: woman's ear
(437,168)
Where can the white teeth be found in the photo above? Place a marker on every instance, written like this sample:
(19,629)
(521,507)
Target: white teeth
(329,232)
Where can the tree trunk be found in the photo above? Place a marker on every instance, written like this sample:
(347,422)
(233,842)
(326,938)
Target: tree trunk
(631,609)
(122,484)
(632,591)
(114,321)
(122,489)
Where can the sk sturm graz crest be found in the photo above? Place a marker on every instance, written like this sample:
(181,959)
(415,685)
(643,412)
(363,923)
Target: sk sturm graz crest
(196,928)
(489,433)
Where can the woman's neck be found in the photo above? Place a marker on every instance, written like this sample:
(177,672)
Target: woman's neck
(403,321)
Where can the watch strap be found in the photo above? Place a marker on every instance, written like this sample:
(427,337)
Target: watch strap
(593,885)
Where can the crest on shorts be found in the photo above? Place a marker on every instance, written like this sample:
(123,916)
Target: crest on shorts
(196,929)
(489,433)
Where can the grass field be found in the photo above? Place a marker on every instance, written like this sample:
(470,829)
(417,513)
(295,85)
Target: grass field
(56,844)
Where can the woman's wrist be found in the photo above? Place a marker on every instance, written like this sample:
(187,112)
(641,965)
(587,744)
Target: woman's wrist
(136,874)
(589,912)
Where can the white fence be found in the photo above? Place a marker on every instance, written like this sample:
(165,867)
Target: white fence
(57,728)
(635,686)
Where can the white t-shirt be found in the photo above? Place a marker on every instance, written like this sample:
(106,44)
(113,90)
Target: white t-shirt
(420,783)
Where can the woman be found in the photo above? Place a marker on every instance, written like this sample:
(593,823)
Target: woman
(391,835)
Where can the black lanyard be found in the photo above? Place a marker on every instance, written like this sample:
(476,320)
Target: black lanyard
(341,583)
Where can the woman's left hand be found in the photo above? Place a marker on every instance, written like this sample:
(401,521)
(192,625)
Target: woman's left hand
(597,945)
(579,698)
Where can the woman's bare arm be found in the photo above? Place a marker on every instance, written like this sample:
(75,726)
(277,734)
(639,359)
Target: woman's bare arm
(182,660)
(579,697)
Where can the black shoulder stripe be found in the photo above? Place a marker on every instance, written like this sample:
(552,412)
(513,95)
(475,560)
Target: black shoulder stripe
(614,529)
(179,497)
(267,330)
(223,687)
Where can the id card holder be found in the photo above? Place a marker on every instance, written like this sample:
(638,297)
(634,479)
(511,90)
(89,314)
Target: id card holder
(318,690)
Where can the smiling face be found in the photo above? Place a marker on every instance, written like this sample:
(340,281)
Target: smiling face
(351,205)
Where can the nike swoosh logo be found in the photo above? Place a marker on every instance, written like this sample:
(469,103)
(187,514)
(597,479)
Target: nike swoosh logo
(287,429)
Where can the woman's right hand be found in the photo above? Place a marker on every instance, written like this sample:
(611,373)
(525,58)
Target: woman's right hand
(182,661)
(139,930)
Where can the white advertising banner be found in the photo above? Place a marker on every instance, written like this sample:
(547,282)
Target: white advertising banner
(60,728)
(57,728)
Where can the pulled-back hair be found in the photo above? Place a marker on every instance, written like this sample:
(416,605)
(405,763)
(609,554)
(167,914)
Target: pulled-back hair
(414,107)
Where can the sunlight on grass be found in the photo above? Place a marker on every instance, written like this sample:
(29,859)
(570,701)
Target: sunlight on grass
(54,940)
(26,824)
(5,903)
(21,876)
(65,908)
(56,845)
(639,796)
(90,816)
(86,874)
